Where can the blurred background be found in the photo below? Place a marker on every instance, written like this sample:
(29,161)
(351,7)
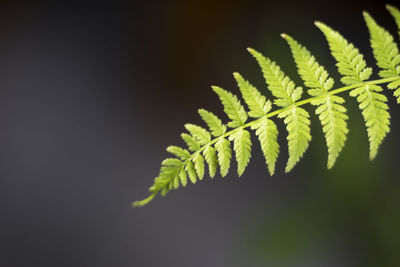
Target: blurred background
(91,94)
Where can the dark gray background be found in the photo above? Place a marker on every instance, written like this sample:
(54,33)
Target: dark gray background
(92,93)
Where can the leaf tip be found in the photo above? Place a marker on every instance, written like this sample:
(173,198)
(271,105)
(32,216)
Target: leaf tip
(144,202)
(319,24)
(251,50)
(329,165)
(390,7)
(215,88)
(136,204)
(366,14)
(288,168)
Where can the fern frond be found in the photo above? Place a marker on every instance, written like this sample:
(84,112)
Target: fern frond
(395,14)
(232,107)
(350,61)
(224,154)
(296,119)
(181,153)
(183,177)
(373,105)
(213,146)
(395,85)
(331,113)
(298,127)
(213,122)
(242,147)
(333,118)
(267,133)
(256,102)
(170,168)
(198,161)
(385,51)
(192,144)
(211,158)
(384,48)
(313,75)
(279,84)
(191,171)
(201,135)
(374,110)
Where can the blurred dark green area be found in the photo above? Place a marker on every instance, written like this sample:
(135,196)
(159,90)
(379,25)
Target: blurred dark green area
(92,93)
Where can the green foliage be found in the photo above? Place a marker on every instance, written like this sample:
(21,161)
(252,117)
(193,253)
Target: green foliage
(267,133)
(213,122)
(298,127)
(214,146)
(201,135)
(385,51)
(242,147)
(190,142)
(224,155)
(279,84)
(256,102)
(232,107)
(295,118)
(181,153)
(211,158)
(352,66)
(331,113)
(395,13)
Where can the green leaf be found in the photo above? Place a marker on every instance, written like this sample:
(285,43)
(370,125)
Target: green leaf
(170,168)
(385,49)
(143,202)
(372,104)
(333,119)
(256,102)
(350,61)
(198,161)
(232,107)
(190,142)
(171,162)
(191,172)
(176,182)
(298,127)
(385,52)
(331,113)
(224,155)
(213,122)
(201,135)
(395,85)
(375,113)
(211,158)
(181,153)
(278,83)
(242,147)
(267,133)
(314,75)
(395,13)
(183,177)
